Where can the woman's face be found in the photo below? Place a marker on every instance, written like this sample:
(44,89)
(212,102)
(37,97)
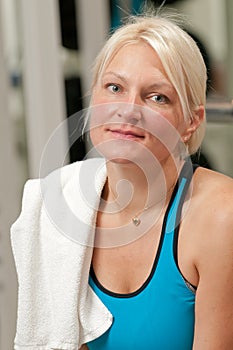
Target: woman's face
(135,108)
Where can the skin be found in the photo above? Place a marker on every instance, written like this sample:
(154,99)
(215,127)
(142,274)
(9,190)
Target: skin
(136,84)
(136,76)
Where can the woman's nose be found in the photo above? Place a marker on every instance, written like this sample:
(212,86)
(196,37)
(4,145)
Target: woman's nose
(130,112)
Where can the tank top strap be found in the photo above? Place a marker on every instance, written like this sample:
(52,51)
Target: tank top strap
(172,219)
(173,214)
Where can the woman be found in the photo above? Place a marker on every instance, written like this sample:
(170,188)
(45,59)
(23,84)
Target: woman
(152,266)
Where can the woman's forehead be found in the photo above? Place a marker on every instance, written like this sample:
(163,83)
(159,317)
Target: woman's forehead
(138,59)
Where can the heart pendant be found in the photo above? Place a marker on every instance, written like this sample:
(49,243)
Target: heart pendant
(136,221)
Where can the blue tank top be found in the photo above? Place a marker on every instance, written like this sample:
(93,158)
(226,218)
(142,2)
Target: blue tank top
(159,315)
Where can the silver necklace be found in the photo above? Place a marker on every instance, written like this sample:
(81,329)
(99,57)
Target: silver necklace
(135,219)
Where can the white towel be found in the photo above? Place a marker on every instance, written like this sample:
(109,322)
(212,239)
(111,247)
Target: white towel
(56,307)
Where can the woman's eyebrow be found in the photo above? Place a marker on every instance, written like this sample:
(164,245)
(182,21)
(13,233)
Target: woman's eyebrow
(117,75)
(159,85)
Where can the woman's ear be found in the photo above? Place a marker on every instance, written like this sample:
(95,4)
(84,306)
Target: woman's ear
(194,123)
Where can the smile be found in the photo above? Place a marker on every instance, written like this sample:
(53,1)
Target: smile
(125,134)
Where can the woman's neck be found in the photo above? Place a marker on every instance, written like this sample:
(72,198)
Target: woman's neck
(129,186)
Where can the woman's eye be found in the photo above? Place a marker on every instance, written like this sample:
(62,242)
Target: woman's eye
(159,98)
(114,88)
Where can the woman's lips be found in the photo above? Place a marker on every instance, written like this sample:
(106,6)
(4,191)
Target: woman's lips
(125,134)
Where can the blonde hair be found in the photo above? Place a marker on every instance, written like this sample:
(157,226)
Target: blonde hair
(179,54)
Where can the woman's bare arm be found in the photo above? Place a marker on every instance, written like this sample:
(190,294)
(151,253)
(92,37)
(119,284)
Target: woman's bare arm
(214,298)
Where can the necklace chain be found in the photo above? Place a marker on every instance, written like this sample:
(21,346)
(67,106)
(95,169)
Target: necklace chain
(135,219)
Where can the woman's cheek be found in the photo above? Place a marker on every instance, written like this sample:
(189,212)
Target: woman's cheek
(95,135)
(164,136)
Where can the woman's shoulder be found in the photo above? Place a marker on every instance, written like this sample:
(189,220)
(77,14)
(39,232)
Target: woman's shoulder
(214,197)
(210,215)
(213,184)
